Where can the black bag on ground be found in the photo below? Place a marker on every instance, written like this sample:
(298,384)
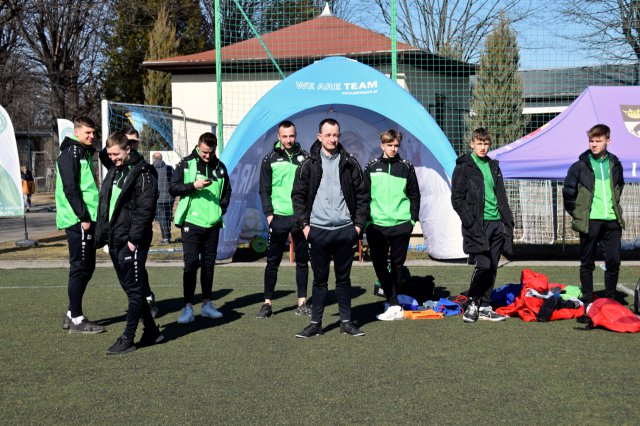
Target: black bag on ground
(636,298)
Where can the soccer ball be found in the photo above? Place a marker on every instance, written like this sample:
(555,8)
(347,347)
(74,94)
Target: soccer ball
(253,223)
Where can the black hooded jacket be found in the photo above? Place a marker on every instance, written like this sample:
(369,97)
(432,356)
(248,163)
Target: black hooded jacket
(135,208)
(307,181)
(467,198)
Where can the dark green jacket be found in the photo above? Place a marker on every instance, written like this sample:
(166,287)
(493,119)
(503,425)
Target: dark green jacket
(578,190)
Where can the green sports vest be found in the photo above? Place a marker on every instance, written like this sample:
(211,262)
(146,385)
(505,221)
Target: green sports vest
(65,216)
(200,207)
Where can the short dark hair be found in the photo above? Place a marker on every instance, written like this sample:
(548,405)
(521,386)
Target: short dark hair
(208,139)
(120,139)
(390,136)
(329,121)
(131,131)
(286,124)
(599,130)
(481,134)
(83,120)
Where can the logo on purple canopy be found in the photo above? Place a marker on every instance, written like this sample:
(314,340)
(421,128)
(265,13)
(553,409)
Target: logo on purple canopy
(631,118)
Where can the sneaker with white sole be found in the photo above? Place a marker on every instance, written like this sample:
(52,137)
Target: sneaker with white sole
(347,327)
(86,327)
(393,313)
(186,316)
(313,329)
(471,313)
(488,314)
(303,310)
(209,311)
(265,311)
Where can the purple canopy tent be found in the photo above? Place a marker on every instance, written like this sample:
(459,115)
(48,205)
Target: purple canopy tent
(548,152)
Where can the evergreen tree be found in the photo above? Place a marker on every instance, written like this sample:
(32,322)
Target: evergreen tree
(497,96)
(128,45)
(162,44)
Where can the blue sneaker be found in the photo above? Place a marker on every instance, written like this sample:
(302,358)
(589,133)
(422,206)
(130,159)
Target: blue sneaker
(209,311)
(186,316)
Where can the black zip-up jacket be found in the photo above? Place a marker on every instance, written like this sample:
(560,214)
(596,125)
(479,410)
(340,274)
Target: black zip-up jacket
(71,151)
(307,181)
(467,199)
(266,173)
(578,190)
(135,208)
(212,170)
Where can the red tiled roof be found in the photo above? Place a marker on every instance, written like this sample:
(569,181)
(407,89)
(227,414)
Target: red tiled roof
(319,37)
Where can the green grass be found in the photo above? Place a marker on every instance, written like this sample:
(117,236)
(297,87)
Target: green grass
(241,370)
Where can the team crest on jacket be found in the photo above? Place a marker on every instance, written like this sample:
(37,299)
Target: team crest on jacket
(300,158)
(631,118)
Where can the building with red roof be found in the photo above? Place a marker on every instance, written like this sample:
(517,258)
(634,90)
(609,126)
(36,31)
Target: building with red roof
(248,72)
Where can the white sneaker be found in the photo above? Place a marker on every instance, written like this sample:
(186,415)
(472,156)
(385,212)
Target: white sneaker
(209,311)
(392,313)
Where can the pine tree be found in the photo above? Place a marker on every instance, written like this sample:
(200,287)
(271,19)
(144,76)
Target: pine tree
(162,44)
(497,96)
(130,39)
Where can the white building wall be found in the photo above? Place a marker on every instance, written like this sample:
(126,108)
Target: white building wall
(196,95)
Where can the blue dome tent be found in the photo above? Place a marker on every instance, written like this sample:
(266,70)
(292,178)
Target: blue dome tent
(365,102)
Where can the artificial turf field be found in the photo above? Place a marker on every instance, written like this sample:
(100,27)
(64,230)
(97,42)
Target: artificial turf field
(242,370)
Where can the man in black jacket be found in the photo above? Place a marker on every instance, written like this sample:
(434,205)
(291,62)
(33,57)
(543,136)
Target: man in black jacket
(165,200)
(330,204)
(479,197)
(127,207)
(277,174)
(134,141)
(76,211)
(591,192)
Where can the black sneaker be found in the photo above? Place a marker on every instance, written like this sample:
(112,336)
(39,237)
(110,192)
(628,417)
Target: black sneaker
(66,322)
(303,310)
(85,327)
(153,307)
(313,329)
(471,313)
(488,314)
(122,345)
(347,327)
(265,311)
(151,336)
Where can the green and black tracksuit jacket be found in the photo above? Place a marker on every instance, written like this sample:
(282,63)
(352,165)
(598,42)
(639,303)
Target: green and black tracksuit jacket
(277,174)
(393,187)
(204,207)
(579,189)
(76,190)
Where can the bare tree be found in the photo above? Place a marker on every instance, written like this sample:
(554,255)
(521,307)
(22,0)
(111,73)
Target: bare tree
(610,28)
(64,43)
(454,28)
(19,93)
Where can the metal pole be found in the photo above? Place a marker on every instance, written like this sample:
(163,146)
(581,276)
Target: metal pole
(104,112)
(218,46)
(394,47)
